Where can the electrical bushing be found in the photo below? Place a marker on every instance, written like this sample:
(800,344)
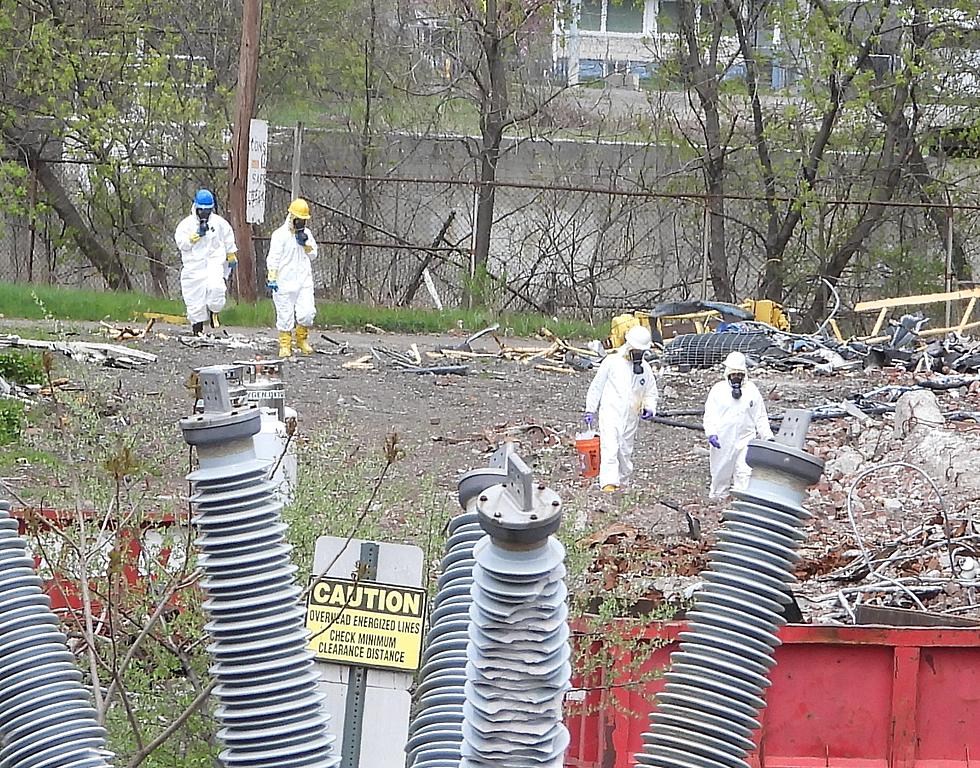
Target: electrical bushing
(46,720)
(269,706)
(436,732)
(518,655)
(707,712)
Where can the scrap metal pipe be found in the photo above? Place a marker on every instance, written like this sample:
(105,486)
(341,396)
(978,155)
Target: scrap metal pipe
(518,667)
(269,705)
(46,720)
(706,714)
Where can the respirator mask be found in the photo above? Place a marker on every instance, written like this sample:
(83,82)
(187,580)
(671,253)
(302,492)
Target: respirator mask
(203,214)
(299,228)
(735,381)
(636,357)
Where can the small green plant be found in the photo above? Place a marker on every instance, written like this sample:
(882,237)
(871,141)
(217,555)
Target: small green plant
(41,306)
(21,368)
(11,421)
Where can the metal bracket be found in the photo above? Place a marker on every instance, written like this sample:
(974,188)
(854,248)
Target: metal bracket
(792,431)
(520,482)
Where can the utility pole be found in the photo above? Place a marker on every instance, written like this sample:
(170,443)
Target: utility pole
(248,75)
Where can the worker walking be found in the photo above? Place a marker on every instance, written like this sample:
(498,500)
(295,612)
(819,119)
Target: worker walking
(209,256)
(734,414)
(290,278)
(623,391)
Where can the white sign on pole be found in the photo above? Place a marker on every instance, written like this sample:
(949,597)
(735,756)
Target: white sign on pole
(258,152)
(387,701)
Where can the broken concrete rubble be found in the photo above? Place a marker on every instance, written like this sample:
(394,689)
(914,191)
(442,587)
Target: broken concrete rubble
(941,452)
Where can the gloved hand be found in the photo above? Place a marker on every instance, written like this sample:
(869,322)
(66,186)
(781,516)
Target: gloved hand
(194,238)
(308,248)
(272,281)
(589,419)
(713,441)
(646,414)
(232,260)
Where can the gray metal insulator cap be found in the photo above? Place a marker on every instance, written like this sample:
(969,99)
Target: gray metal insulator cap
(785,453)
(519,513)
(220,422)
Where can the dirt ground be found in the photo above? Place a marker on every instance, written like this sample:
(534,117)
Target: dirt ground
(450,424)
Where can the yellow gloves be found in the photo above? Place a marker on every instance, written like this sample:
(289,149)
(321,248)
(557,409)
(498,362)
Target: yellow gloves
(194,238)
(232,258)
(308,248)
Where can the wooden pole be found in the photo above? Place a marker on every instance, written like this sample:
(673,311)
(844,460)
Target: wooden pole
(297,174)
(248,73)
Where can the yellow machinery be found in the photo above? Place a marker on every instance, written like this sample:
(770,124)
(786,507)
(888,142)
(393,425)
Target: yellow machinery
(703,320)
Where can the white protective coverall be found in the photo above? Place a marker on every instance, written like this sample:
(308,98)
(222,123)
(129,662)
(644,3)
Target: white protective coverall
(619,396)
(291,263)
(205,265)
(735,422)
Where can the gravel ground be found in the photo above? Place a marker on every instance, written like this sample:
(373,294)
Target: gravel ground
(450,424)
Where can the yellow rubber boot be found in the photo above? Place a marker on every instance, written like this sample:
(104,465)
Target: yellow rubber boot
(303,340)
(285,344)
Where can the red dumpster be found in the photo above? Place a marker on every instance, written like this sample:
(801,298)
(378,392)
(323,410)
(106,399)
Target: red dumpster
(841,697)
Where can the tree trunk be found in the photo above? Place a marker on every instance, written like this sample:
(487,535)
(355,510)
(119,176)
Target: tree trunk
(494,109)
(486,198)
(702,76)
(721,280)
(248,71)
(143,232)
(109,265)
(886,178)
(939,216)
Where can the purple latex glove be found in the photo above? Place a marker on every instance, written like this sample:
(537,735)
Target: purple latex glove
(646,414)
(713,441)
(589,419)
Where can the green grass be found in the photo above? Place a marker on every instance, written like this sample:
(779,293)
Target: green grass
(19,455)
(11,421)
(22,368)
(70,304)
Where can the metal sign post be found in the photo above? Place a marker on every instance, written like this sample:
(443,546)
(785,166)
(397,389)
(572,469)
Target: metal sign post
(357,683)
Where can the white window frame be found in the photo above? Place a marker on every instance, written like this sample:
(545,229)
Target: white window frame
(649,21)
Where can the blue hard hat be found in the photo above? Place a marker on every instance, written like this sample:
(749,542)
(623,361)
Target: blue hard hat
(203,199)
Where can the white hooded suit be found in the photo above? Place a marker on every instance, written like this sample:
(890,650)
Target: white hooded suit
(202,276)
(619,396)
(294,275)
(735,422)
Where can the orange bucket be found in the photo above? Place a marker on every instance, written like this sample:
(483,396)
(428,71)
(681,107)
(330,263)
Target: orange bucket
(587,445)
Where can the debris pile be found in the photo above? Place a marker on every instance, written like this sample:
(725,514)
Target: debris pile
(558,357)
(111,355)
(528,437)
(645,572)
(933,568)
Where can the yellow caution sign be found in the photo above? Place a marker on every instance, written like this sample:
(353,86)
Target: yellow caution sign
(365,623)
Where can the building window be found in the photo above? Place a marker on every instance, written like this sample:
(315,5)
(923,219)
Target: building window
(591,19)
(668,16)
(612,16)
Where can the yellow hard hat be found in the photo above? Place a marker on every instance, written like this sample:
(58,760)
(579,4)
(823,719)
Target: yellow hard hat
(300,208)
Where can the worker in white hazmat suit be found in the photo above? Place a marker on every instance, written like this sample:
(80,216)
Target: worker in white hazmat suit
(623,391)
(290,278)
(209,256)
(734,414)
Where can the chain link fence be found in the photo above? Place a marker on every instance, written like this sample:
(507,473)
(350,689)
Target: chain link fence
(578,228)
